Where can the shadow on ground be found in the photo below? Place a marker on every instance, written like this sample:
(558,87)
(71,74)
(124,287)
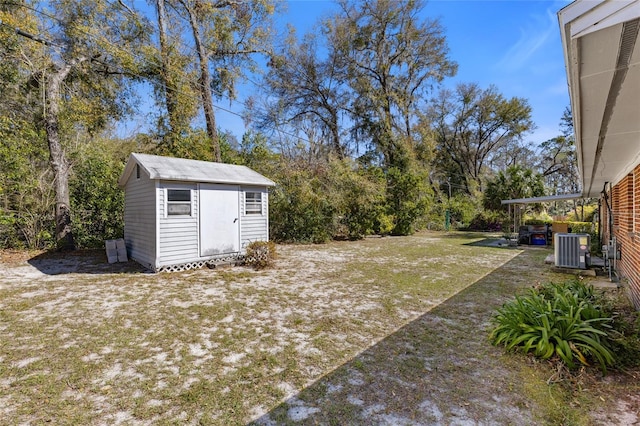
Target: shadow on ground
(490,242)
(81,262)
(438,369)
(470,235)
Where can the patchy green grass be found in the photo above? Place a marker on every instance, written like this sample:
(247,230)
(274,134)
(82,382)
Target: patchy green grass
(384,330)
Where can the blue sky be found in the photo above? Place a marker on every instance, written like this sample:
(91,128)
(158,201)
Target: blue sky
(513,44)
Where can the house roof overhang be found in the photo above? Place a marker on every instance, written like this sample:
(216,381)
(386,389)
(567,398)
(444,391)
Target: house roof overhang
(602,60)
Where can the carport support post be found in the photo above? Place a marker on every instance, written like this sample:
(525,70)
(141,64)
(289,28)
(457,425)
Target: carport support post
(514,220)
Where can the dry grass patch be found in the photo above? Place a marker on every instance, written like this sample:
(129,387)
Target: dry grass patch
(339,332)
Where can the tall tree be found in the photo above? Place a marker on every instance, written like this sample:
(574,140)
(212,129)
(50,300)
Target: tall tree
(174,83)
(558,162)
(226,33)
(393,58)
(304,86)
(472,126)
(88,46)
(26,198)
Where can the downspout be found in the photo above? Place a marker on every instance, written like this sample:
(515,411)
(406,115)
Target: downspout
(609,211)
(606,252)
(613,238)
(612,249)
(600,222)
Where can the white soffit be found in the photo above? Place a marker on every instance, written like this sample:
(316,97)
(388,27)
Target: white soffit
(592,16)
(602,56)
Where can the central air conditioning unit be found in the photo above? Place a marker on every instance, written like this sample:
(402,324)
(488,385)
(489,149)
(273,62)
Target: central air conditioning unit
(572,250)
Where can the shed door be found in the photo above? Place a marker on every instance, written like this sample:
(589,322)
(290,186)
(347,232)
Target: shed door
(219,219)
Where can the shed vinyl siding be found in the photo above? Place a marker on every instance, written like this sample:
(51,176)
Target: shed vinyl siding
(254,227)
(178,234)
(140,219)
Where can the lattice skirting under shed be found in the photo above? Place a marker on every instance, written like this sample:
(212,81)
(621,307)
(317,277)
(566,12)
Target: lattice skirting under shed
(199,264)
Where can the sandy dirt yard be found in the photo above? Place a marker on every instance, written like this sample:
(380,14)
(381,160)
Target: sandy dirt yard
(387,331)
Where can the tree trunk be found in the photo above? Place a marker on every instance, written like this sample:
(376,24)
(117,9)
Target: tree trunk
(205,83)
(335,133)
(59,163)
(167,81)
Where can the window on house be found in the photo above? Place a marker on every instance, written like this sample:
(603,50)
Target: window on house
(253,203)
(137,171)
(178,202)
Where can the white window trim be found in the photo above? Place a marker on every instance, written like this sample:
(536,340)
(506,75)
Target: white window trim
(167,202)
(261,204)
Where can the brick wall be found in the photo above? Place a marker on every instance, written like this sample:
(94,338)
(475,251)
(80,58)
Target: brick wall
(624,200)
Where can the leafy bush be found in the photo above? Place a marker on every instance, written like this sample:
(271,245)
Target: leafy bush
(489,221)
(337,199)
(384,224)
(407,198)
(538,221)
(625,339)
(563,320)
(463,209)
(299,209)
(260,254)
(96,200)
(26,191)
(583,214)
(358,194)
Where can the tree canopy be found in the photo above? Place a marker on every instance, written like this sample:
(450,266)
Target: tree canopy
(354,120)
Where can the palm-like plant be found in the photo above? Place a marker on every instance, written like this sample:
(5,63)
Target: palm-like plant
(556,319)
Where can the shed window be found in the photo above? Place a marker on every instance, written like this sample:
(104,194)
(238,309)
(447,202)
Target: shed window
(179,202)
(253,203)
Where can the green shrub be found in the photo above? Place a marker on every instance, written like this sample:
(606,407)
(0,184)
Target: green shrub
(584,214)
(625,339)
(384,224)
(260,254)
(408,197)
(463,209)
(580,227)
(337,199)
(96,199)
(489,220)
(358,196)
(299,209)
(563,320)
(537,222)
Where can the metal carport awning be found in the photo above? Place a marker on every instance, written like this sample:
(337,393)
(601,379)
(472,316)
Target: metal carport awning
(533,200)
(544,199)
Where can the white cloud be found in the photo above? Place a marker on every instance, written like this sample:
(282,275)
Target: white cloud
(539,30)
(558,89)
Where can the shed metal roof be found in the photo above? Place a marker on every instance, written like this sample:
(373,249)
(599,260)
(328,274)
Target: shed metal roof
(180,169)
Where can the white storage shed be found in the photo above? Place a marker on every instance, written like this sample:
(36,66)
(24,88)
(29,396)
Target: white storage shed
(181,214)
